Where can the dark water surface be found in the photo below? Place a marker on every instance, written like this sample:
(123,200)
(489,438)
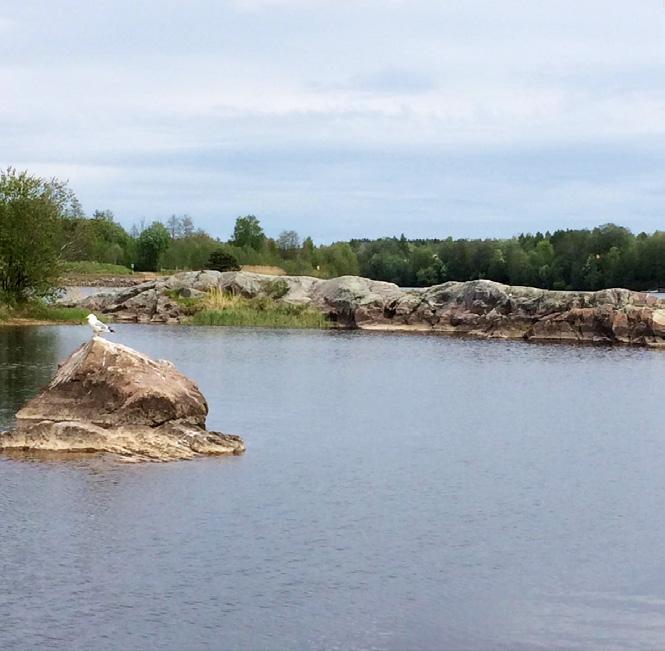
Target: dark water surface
(398,492)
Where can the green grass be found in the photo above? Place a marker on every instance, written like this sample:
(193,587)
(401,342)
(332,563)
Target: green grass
(261,319)
(40,311)
(221,309)
(101,268)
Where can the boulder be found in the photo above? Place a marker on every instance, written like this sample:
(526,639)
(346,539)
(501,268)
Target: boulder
(351,301)
(106,397)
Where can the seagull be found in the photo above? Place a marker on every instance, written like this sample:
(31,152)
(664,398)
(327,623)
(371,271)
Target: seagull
(97,326)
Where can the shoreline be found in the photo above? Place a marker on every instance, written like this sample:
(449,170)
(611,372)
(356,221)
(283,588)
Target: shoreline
(479,309)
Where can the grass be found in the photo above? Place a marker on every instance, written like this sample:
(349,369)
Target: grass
(40,311)
(100,268)
(220,308)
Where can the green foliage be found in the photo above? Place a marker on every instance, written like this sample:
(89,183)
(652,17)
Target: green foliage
(41,311)
(99,239)
(188,304)
(288,244)
(262,312)
(89,267)
(32,212)
(189,252)
(38,310)
(338,259)
(151,243)
(42,224)
(276,289)
(222,260)
(248,233)
(607,256)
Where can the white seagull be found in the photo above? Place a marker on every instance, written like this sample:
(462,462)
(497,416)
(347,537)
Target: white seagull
(97,326)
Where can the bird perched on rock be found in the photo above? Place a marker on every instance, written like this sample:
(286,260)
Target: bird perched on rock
(97,326)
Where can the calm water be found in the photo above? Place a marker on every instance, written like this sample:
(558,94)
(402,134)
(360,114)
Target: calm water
(398,492)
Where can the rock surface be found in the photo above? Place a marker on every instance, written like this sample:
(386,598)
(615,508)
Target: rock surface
(109,398)
(478,308)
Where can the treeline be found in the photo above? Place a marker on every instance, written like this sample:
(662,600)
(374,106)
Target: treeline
(175,244)
(42,225)
(606,256)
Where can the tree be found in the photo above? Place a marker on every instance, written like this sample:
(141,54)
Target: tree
(288,243)
(308,249)
(180,226)
(152,242)
(186,226)
(222,260)
(248,232)
(103,215)
(173,224)
(190,252)
(32,211)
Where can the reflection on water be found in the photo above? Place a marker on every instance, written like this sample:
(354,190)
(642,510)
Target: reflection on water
(398,492)
(27,359)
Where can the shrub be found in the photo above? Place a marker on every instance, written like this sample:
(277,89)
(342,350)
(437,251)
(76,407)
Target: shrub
(276,289)
(32,212)
(222,260)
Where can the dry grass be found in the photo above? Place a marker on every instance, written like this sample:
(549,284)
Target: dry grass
(218,299)
(263,269)
(221,308)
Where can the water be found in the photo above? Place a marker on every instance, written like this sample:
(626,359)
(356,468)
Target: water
(398,492)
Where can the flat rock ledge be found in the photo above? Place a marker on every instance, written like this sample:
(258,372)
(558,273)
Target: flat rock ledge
(106,397)
(478,308)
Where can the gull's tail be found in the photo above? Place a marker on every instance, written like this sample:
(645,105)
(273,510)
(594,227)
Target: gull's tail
(111,330)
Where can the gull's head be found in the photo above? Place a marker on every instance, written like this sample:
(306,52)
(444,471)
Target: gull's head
(91,318)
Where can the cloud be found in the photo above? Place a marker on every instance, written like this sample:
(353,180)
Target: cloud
(334,117)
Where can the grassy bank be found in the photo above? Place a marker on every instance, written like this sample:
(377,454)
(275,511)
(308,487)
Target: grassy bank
(222,309)
(95,268)
(39,312)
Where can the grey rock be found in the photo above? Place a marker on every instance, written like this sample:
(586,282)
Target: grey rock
(479,308)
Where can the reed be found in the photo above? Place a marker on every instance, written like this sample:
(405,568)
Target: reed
(221,308)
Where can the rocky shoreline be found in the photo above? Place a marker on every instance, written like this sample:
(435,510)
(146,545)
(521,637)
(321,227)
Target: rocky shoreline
(478,308)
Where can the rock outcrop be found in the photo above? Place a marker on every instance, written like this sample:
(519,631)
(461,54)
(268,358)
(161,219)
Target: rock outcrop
(109,398)
(479,308)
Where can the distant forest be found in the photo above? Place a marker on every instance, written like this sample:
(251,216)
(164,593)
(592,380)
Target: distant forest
(606,256)
(42,226)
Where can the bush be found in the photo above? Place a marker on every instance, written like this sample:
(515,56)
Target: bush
(222,260)
(276,289)
(32,211)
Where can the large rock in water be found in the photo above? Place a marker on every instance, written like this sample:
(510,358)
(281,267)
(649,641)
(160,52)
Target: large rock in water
(477,308)
(109,398)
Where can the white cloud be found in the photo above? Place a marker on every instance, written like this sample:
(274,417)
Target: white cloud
(124,96)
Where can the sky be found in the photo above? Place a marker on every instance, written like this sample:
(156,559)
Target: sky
(343,118)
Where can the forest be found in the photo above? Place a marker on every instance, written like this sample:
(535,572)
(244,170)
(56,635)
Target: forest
(43,225)
(605,256)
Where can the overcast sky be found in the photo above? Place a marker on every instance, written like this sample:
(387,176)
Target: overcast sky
(343,118)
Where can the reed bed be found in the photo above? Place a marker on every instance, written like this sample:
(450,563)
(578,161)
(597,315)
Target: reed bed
(220,308)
